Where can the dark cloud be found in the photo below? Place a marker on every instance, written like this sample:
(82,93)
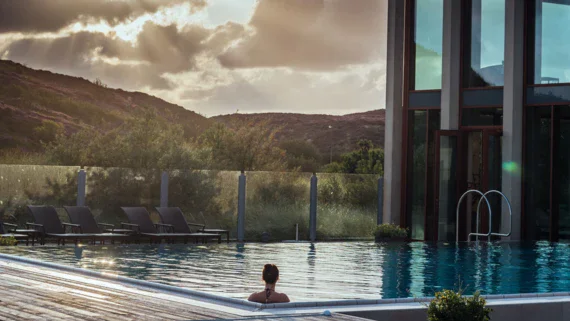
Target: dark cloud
(311,34)
(158,50)
(51,15)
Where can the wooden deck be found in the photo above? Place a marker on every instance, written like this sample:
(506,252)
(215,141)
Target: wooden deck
(36,293)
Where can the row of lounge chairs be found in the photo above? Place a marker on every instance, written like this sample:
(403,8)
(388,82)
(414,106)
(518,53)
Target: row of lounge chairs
(83,226)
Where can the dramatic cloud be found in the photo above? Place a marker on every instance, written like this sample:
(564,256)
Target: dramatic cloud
(52,15)
(270,90)
(311,34)
(158,50)
(308,56)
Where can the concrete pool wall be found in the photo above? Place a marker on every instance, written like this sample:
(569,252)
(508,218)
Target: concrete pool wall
(524,307)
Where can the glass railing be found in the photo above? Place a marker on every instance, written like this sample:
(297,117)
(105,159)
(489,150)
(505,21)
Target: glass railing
(347,205)
(22,185)
(108,189)
(206,197)
(276,202)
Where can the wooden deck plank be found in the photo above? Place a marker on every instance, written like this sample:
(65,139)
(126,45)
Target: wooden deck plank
(34,293)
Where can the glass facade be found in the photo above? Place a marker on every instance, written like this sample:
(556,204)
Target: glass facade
(421,157)
(471,157)
(481,117)
(484,51)
(547,173)
(427,47)
(551,63)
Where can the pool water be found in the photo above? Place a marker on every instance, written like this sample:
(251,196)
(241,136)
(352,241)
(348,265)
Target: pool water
(330,271)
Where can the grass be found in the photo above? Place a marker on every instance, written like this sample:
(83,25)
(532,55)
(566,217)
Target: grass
(333,221)
(275,201)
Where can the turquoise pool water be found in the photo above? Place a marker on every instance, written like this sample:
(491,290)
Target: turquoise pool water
(330,271)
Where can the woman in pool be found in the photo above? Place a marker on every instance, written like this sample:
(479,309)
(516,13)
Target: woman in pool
(270,276)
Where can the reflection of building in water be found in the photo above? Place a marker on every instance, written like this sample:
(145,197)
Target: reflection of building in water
(396,271)
(478,72)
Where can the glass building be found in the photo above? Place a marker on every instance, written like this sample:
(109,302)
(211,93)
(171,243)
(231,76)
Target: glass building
(478,98)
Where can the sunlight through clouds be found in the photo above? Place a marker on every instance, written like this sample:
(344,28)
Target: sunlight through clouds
(216,56)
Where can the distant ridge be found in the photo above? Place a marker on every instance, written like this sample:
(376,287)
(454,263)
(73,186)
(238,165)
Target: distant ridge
(28,97)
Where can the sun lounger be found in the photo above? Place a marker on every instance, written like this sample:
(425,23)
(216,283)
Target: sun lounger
(48,223)
(140,222)
(8,230)
(174,216)
(82,216)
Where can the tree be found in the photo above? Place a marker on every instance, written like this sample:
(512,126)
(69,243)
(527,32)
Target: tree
(145,141)
(248,147)
(365,160)
(48,131)
(302,155)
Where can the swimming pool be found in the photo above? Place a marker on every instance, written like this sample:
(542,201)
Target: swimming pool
(330,271)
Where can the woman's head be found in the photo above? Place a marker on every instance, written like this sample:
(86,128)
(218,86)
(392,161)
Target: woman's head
(270,273)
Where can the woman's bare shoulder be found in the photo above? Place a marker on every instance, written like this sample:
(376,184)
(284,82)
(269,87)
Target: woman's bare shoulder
(257,297)
(281,298)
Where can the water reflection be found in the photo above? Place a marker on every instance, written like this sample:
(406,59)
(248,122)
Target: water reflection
(339,271)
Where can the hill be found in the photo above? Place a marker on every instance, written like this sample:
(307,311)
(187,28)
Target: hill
(28,97)
(342,132)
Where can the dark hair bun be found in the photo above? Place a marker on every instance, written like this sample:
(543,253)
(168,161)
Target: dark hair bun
(270,273)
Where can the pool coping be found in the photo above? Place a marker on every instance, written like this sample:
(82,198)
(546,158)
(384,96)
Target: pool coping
(242,303)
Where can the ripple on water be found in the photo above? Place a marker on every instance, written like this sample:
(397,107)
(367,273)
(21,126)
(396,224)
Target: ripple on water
(326,271)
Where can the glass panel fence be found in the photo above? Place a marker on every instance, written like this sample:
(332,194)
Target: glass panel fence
(275,202)
(347,206)
(22,185)
(206,197)
(109,189)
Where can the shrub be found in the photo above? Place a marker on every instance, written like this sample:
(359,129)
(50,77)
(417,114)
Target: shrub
(449,305)
(8,241)
(390,230)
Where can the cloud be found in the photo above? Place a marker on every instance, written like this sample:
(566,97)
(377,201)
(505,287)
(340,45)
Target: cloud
(29,16)
(311,34)
(283,90)
(158,50)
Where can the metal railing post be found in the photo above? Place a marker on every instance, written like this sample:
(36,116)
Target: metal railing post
(164,190)
(241,207)
(313,209)
(81,186)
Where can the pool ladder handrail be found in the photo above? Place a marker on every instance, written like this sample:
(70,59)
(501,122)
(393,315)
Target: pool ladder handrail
(510,213)
(484,197)
(457,215)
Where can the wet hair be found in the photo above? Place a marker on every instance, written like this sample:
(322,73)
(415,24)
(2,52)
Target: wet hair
(270,273)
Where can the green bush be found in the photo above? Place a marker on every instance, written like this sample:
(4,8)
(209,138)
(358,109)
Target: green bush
(449,305)
(8,241)
(390,230)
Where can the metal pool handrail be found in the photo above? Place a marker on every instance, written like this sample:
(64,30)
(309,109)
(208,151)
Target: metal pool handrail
(510,213)
(457,215)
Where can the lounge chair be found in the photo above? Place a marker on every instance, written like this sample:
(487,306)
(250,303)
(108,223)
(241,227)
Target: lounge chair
(8,230)
(82,216)
(48,223)
(174,216)
(140,222)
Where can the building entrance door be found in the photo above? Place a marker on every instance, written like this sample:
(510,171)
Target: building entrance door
(466,159)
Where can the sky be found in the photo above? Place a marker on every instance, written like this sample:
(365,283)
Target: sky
(211,56)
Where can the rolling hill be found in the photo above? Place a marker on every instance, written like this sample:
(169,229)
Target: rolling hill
(28,97)
(324,131)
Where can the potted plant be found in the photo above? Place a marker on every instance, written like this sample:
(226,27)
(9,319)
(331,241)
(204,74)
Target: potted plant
(449,305)
(390,233)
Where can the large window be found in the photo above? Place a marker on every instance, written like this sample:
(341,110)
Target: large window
(484,51)
(421,168)
(551,63)
(547,173)
(427,47)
